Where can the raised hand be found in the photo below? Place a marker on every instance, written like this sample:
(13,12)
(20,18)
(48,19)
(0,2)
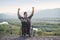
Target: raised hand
(18,9)
(18,13)
(32,10)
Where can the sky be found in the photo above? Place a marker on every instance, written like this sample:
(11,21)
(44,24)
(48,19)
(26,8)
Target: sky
(11,6)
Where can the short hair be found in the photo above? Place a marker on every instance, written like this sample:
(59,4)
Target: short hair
(25,13)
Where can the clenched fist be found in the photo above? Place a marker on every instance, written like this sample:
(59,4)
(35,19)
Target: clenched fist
(32,8)
(18,9)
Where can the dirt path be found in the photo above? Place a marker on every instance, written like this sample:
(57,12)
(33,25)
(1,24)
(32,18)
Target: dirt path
(16,37)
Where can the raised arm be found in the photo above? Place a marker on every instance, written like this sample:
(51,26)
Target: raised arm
(32,10)
(19,16)
(32,13)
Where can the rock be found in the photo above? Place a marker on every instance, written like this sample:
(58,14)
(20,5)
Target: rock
(17,37)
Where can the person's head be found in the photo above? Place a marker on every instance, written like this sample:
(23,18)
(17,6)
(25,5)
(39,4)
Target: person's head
(25,14)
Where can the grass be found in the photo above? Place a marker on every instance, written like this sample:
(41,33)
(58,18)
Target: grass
(45,29)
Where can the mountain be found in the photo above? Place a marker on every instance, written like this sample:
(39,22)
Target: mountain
(7,16)
(44,14)
(49,13)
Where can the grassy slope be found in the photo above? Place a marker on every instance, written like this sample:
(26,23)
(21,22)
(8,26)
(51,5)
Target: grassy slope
(45,29)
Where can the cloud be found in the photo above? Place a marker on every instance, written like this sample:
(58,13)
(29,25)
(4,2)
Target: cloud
(11,6)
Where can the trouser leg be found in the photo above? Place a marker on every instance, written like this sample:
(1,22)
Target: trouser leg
(28,30)
(23,31)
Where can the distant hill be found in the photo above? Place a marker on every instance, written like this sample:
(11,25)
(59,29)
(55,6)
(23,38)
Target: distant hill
(39,14)
(7,16)
(49,13)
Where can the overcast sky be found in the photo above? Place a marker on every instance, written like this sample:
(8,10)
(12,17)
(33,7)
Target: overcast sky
(11,6)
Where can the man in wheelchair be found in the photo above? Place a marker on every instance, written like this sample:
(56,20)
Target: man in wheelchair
(26,22)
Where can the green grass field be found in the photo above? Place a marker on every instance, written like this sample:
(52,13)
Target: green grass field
(44,28)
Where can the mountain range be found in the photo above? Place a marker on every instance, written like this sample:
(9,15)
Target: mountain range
(48,13)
